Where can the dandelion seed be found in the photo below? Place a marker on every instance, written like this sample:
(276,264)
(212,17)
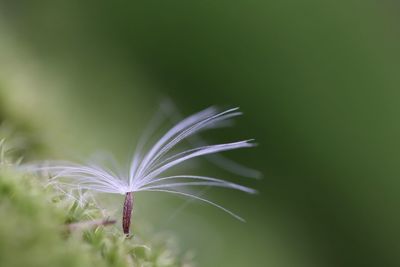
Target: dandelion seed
(146,170)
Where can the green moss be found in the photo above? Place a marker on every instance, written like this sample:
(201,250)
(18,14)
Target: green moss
(34,232)
(30,229)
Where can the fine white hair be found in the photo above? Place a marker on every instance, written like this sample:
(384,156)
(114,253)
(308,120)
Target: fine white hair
(147,169)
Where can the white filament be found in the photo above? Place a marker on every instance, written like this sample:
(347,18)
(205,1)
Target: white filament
(145,170)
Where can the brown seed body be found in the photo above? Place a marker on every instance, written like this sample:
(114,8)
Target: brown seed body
(127,212)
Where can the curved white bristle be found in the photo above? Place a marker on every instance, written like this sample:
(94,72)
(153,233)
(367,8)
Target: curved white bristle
(201,199)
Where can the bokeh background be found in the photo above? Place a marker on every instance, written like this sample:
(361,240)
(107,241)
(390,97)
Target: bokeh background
(318,82)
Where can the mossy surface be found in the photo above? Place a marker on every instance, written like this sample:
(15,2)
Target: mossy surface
(40,226)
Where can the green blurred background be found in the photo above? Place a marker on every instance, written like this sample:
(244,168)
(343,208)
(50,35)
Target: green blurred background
(318,82)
